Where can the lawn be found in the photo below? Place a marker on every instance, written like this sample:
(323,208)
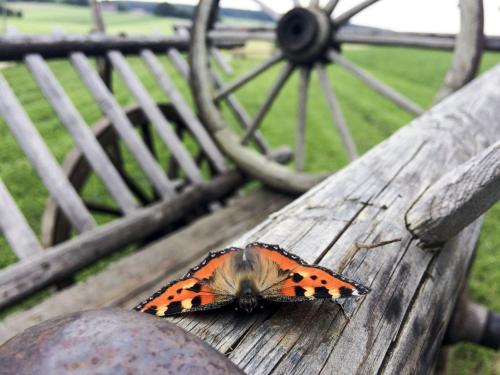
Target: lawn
(371,118)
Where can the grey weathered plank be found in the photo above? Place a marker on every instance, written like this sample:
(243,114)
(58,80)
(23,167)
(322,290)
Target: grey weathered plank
(15,228)
(186,113)
(457,199)
(367,202)
(63,260)
(81,133)
(122,124)
(159,122)
(126,281)
(42,160)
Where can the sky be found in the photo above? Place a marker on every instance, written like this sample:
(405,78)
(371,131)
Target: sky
(400,15)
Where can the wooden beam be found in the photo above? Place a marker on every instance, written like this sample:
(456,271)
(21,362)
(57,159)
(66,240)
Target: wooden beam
(159,122)
(457,199)
(42,160)
(16,47)
(16,229)
(81,133)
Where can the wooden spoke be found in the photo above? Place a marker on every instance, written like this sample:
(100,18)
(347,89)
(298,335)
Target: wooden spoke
(377,85)
(301,119)
(103,209)
(267,9)
(219,59)
(330,6)
(229,88)
(346,16)
(234,105)
(314,3)
(296,3)
(268,102)
(338,117)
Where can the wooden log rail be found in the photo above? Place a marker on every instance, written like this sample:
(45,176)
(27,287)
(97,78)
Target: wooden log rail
(457,199)
(400,325)
(16,47)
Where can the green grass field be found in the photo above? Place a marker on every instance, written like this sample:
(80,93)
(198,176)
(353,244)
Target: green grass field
(44,18)
(371,118)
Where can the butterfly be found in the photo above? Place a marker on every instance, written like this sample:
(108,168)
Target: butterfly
(248,277)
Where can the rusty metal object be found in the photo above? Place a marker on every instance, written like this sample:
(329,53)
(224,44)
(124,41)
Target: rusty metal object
(110,341)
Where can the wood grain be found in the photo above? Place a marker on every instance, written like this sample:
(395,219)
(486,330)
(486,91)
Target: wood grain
(397,328)
(457,199)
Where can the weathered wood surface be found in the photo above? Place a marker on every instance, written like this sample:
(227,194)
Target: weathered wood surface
(159,122)
(457,199)
(122,124)
(42,160)
(63,260)
(129,280)
(81,133)
(15,228)
(16,47)
(399,326)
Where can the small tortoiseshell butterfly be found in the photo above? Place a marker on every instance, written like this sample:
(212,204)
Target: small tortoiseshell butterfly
(247,277)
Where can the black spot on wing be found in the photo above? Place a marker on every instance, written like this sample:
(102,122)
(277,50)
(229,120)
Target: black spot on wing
(297,277)
(196,301)
(195,288)
(299,291)
(321,292)
(345,292)
(151,310)
(314,277)
(174,308)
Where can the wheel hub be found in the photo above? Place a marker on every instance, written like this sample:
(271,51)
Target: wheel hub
(304,35)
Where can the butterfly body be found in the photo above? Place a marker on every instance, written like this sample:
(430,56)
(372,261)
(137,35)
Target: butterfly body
(247,278)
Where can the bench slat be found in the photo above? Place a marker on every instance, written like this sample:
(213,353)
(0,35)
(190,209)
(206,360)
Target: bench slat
(122,124)
(81,133)
(14,226)
(184,110)
(157,119)
(42,160)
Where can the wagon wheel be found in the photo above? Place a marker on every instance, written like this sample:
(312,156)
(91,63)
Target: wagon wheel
(309,39)
(56,228)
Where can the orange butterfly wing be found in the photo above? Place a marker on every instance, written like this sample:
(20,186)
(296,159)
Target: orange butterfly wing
(303,281)
(190,293)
